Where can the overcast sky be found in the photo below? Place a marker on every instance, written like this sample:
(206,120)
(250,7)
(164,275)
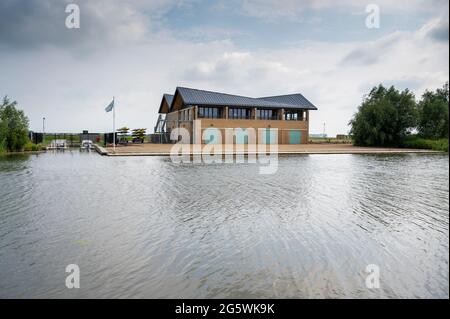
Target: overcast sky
(138,50)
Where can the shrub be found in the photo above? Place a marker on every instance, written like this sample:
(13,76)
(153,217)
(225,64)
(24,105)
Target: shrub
(30,147)
(422,143)
(2,147)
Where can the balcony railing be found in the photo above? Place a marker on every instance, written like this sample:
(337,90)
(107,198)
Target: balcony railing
(240,114)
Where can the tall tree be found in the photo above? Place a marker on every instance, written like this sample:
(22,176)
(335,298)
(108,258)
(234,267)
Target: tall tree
(384,118)
(433,113)
(13,126)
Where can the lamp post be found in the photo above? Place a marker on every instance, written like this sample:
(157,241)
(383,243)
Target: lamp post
(43,129)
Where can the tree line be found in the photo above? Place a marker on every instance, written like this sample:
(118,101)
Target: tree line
(389,117)
(386,117)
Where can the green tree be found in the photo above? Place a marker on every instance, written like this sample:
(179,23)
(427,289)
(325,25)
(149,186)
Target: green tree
(13,126)
(123,130)
(385,117)
(139,134)
(122,134)
(433,114)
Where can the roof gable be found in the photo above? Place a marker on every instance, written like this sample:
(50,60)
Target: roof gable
(166,102)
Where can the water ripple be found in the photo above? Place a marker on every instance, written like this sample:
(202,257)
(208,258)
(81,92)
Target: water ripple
(145,227)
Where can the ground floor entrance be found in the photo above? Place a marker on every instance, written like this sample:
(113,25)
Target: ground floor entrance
(295,137)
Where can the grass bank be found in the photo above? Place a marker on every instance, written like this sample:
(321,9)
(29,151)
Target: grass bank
(28,148)
(429,144)
(329,140)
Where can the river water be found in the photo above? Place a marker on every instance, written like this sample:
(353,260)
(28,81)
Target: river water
(144,227)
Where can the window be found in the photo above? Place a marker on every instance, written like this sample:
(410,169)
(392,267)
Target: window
(293,115)
(267,114)
(209,112)
(235,113)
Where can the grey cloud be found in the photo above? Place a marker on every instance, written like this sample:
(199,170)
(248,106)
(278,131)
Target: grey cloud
(26,24)
(361,57)
(371,53)
(440,32)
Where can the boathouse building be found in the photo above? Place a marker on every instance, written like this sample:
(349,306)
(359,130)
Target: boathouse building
(288,114)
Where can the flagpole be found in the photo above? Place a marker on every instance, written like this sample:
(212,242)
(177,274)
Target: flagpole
(114,125)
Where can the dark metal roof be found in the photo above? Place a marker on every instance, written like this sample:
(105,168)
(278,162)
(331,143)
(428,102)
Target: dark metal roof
(168,98)
(294,99)
(202,97)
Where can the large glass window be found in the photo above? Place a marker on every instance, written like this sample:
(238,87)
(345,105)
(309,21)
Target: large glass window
(267,114)
(293,115)
(237,113)
(209,112)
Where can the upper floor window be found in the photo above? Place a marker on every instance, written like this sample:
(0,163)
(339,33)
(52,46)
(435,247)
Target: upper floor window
(293,115)
(185,115)
(235,113)
(267,114)
(209,112)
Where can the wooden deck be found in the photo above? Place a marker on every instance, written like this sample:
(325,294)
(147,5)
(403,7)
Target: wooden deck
(164,149)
